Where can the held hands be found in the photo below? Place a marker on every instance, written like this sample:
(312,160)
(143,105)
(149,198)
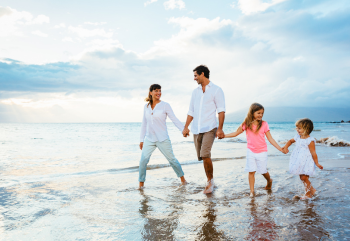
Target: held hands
(220,134)
(186,132)
(285,150)
(141,145)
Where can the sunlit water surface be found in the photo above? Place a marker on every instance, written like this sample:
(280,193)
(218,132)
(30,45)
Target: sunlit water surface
(78,182)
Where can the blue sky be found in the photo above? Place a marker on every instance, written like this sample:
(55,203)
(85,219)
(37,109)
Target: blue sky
(93,61)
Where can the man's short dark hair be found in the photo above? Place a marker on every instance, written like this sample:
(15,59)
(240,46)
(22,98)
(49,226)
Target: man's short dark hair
(202,69)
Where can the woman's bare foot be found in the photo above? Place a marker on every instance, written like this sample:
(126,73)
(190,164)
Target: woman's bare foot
(251,194)
(210,187)
(184,183)
(183,180)
(141,185)
(269,185)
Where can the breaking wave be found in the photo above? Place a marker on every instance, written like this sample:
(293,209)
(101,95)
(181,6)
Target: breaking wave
(333,141)
(237,140)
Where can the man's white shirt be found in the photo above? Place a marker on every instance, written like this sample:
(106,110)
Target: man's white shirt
(203,107)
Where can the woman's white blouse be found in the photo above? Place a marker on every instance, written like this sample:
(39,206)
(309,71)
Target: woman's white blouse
(154,122)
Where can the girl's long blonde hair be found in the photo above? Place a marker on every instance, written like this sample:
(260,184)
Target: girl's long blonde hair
(248,121)
(151,88)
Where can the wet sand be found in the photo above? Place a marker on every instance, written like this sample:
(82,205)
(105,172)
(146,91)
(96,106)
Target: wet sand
(107,206)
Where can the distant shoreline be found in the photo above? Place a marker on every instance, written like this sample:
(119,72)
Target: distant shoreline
(339,121)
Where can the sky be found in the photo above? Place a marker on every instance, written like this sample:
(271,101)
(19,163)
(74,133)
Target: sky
(93,61)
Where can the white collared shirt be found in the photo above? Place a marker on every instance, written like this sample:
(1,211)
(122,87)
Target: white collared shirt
(203,107)
(154,122)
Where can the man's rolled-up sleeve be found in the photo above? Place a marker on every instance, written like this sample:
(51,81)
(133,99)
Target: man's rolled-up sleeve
(191,108)
(219,100)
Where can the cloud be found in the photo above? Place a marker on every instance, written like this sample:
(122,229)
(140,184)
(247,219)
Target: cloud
(61,25)
(72,108)
(86,33)
(173,4)
(287,56)
(149,2)
(95,24)
(11,19)
(40,19)
(39,33)
(67,39)
(189,29)
(5,11)
(253,6)
(18,77)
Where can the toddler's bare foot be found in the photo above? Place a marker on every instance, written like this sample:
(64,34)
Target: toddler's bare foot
(313,191)
(269,185)
(307,195)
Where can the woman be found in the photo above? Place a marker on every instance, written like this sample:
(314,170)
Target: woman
(154,133)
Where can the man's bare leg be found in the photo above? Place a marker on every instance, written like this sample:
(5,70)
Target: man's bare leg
(208,167)
(269,181)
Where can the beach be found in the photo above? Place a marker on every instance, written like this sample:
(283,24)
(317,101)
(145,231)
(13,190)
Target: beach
(79,182)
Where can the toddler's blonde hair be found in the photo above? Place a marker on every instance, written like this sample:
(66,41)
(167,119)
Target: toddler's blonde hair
(306,124)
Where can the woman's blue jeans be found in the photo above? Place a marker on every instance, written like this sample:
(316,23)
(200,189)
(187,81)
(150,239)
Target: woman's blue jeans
(166,149)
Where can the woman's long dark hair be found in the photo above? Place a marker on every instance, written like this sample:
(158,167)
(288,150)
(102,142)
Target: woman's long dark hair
(151,88)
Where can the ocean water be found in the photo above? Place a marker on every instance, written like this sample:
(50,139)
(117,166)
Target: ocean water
(78,182)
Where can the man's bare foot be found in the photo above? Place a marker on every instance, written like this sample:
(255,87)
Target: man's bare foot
(269,185)
(210,187)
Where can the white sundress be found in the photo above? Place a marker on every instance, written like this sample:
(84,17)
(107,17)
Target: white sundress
(301,161)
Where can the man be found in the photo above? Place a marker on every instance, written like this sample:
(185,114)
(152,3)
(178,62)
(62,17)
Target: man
(206,100)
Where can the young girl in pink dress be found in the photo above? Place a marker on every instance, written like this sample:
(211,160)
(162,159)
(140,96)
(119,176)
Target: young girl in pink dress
(256,129)
(304,158)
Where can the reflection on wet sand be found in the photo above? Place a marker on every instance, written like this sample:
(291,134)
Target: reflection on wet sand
(208,230)
(311,224)
(159,227)
(262,226)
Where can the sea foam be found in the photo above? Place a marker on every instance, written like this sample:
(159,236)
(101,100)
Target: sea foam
(333,141)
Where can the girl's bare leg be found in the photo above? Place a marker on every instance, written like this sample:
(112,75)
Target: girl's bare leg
(251,178)
(269,181)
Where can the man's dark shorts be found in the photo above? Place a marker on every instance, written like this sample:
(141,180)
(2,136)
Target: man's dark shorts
(203,143)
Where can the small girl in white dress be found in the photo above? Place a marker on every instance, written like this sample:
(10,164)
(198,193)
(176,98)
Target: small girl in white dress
(304,158)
